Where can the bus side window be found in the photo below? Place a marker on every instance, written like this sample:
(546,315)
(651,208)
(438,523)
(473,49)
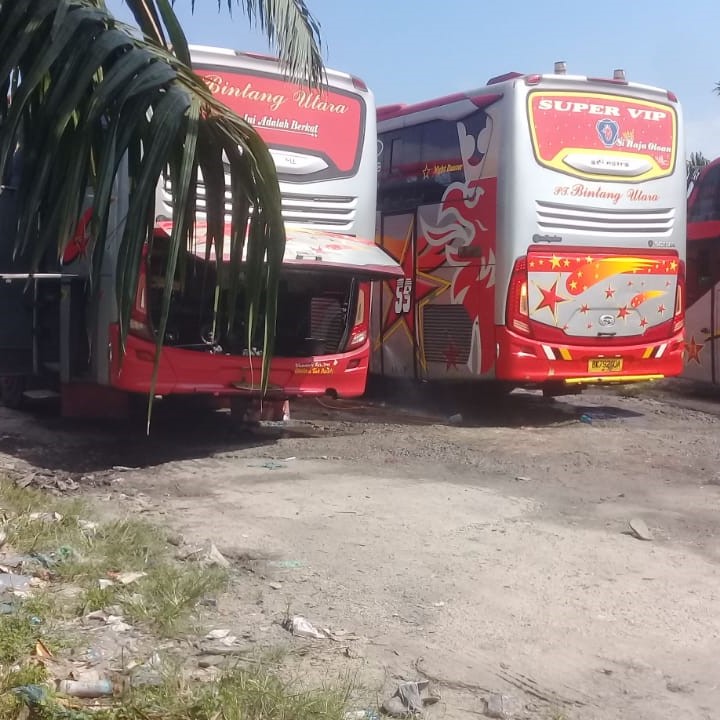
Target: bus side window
(393,157)
(405,153)
(707,204)
(699,273)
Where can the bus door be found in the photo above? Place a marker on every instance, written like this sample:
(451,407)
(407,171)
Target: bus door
(395,314)
(702,317)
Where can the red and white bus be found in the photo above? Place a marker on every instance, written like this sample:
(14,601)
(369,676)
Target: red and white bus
(324,146)
(702,351)
(540,224)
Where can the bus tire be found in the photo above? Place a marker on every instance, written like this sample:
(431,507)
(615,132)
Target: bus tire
(12,388)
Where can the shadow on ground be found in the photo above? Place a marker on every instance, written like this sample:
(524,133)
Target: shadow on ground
(182,430)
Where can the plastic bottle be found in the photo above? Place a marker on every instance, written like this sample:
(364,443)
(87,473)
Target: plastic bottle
(80,689)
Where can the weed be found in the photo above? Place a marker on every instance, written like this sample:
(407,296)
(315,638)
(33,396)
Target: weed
(72,549)
(238,695)
(166,596)
(23,501)
(96,598)
(18,634)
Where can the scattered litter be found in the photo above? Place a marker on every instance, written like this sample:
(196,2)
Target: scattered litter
(14,583)
(33,694)
(585,418)
(86,688)
(276,585)
(217,634)
(639,529)
(286,563)
(67,485)
(88,526)
(269,465)
(115,622)
(289,459)
(301,627)
(408,700)
(455,419)
(127,578)
(522,478)
(48,517)
(439,604)
(7,608)
(12,561)
(500,706)
(215,557)
(122,468)
(104,583)
(223,636)
(147,673)
(362,715)
(41,650)
(208,661)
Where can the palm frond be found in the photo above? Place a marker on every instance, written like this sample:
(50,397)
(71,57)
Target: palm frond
(291,30)
(90,96)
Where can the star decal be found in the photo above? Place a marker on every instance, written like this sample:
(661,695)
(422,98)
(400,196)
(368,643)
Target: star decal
(692,350)
(661,309)
(402,293)
(555,262)
(584,309)
(623,312)
(643,323)
(609,292)
(426,172)
(550,299)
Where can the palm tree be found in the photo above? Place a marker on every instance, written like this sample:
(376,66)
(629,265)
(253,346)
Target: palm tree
(80,91)
(694,164)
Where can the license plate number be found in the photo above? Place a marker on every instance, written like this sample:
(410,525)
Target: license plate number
(605,365)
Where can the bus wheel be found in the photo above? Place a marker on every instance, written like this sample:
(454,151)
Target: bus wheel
(12,388)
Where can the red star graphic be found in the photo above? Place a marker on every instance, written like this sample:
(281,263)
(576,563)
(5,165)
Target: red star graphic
(661,309)
(609,292)
(643,323)
(692,350)
(584,309)
(550,299)
(408,294)
(623,312)
(451,356)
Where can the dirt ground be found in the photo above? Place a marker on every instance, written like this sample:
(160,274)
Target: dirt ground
(489,554)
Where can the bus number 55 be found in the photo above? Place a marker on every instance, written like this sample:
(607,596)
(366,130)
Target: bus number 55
(403,295)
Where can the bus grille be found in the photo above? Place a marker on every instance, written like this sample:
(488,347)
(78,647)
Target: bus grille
(555,217)
(332,212)
(327,322)
(447,334)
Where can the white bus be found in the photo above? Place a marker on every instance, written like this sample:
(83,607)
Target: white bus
(324,146)
(540,224)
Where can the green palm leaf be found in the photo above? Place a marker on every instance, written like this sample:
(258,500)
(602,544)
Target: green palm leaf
(90,97)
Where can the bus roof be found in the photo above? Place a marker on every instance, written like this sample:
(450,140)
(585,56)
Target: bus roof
(481,97)
(207,55)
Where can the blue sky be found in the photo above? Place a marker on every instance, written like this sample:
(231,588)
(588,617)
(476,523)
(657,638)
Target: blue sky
(411,50)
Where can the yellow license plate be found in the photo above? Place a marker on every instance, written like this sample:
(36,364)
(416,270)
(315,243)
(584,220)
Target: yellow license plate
(605,365)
